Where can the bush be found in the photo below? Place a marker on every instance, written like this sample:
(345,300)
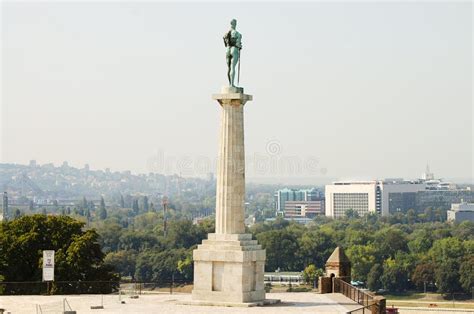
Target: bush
(298,289)
(268,287)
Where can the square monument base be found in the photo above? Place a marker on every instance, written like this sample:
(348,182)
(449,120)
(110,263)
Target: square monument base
(228,271)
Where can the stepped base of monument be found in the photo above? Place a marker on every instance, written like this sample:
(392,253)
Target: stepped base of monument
(230,304)
(228,271)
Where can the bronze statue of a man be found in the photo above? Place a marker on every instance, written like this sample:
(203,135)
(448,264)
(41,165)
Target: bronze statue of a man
(233,43)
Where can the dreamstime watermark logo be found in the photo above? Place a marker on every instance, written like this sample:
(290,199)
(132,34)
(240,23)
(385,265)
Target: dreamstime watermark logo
(272,163)
(273,148)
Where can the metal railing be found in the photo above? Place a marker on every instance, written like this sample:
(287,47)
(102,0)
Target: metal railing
(366,299)
(353,293)
(283,279)
(55,307)
(89,287)
(362,310)
(58,287)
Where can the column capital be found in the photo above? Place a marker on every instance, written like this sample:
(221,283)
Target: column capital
(232,98)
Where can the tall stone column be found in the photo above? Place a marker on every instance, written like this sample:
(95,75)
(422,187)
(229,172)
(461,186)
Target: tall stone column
(229,265)
(230,192)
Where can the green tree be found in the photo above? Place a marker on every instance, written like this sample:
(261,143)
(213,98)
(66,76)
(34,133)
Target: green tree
(421,241)
(135,207)
(351,213)
(87,214)
(102,203)
(137,241)
(102,214)
(183,234)
(464,230)
(185,267)
(373,278)
(78,253)
(447,276)
(160,266)
(16,214)
(447,248)
(354,236)
(85,204)
(466,274)
(468,246)
(110,234)
(429,214)
(311,274)
(423,275)
(281,246)
(145,204)
(390,240)
(315,247)
(362,259)
(395,277)
(440,214)
(102,209)
(122,261)
(411,216)
(122,201)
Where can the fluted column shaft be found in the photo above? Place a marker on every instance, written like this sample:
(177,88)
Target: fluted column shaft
(230,190)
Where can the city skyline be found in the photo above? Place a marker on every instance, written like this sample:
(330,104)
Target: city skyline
(350,91)
(290,181)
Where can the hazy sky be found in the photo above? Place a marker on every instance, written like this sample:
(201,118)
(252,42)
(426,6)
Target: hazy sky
(355,90)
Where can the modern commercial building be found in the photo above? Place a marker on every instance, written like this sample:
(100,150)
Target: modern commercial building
(440,194)
(308,209)
(359,196)
(300,220)
(398,195)
(377,196)
(285,195)
(442,198)
(461,212)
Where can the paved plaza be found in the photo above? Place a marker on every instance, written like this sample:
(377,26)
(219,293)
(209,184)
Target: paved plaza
(303,302)
(165,303)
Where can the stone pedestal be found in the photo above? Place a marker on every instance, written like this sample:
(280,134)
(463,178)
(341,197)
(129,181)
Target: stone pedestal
(228,270)
(229,265)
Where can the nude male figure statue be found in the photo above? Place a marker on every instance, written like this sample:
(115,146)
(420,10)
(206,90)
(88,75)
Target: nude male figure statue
(233,43)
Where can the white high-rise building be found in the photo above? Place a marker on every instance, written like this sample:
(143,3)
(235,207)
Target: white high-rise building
(343,196)
(377,196)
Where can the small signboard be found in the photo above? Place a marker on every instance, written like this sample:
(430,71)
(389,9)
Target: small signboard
(48,265)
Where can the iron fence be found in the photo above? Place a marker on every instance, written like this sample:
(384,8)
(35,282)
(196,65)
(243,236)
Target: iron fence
(58,287)
(366,299)
(88,287)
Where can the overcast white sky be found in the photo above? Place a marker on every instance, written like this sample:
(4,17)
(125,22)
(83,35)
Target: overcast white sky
(355,90)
